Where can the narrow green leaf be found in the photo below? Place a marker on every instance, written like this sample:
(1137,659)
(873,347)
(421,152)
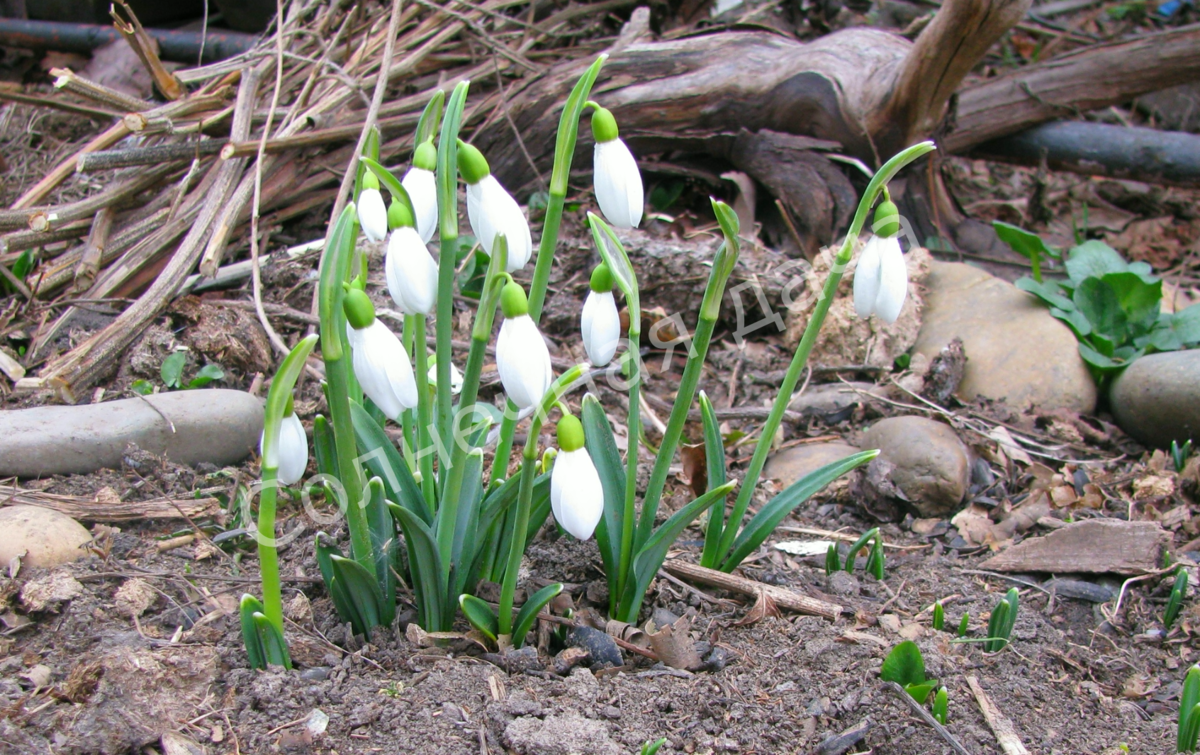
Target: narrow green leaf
(431,116)
(1191,730)
(904,665)
(324,448)
(480,615)
(964,625)
(858,545)
(274,646)
(1178,590)
(939,616)
(1048,291)
(426,566)
(386,548)
(363,590)
(832,561)
(941,706)
(651,555)
(762,524)
(379,455)
(1189,697)
(602,447)
(466,531)
(528,613)
(714,459)
(249,606)
(568,126)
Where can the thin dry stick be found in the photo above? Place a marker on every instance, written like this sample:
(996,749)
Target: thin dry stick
(926,717)
(381,82)
(93,249)
(999,723)
(789,599)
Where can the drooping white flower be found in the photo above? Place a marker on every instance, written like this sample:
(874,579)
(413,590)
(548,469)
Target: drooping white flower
(456,377)
(380,362)
(293,450)
(522,358)
(617,178)
(576,494)
(492,210)
(372,215)
(421,184)
(600,323)
(412,275)
(881,278)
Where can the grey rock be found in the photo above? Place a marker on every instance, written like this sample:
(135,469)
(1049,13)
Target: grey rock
(1081,590)
(1157,398)
(42,537)
(843,583)
(216,426)
(830,398)
(1015,349)
(600,646)
(315,674)
(931,466)
(792,464)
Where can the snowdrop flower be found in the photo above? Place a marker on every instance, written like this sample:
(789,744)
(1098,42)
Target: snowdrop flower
(881,278)
(380,362)
(615,172)
(521,354)
(411,272)
(600,322)
(456,378)
(576,495)
(372,215)
(492,210)
(290,453)
(421,185)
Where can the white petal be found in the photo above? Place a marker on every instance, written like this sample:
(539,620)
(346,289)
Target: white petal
(576,495)
(293,450)
(372,215)
(411,272)
(383,369)
(618,184)
(456,378)
(893,281)
(421,186)
(601,327)
(523,361)
(866,279)
(492,210)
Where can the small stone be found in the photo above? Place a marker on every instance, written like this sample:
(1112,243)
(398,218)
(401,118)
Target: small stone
(830,398)
(1157,398)
(931,465)
(216,426)
(41,537)
(600,646)
(792,464)
(843,583)
(1016,350)
(315,674)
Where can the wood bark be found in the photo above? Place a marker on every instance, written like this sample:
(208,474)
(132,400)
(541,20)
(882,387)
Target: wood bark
(789,599)
(89,510)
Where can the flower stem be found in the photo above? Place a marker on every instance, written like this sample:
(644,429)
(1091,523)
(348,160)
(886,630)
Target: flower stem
(763,448)
(268,556)
(633,374)
(424,452)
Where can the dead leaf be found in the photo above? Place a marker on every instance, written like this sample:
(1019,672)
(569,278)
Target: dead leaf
(1153,486)
(695,467)
(763,607)
(674,646)
(973,524)
(1009,445)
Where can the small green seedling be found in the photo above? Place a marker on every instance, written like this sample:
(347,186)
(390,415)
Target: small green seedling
(172,374)
(964,625)
(1000,626)
(939,616)
(905,666)
(859,544)
(832,560)
(1180,454)
(652,748)
(1176,599)
(875,559)
(941,706)
(1189,712)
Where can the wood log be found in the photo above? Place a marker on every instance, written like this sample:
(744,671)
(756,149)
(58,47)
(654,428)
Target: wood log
(90,510)
(1093,546)
(789,599)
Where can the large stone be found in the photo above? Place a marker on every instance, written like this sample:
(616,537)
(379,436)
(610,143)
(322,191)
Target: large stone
(1015,349)
(931,466)
(792,464)
(1157,398)
(42,537)
(188,427)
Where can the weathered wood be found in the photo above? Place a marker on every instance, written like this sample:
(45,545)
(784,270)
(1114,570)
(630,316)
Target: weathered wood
(1093,546)
(1000,724)
(783,598)
(90,510)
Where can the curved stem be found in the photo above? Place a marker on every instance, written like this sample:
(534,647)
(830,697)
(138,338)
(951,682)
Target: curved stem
(268,556)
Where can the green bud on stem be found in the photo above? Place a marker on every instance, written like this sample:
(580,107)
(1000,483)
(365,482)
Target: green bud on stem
(471,163)
(570,433)
(602,279)
(360,312)
(513,302)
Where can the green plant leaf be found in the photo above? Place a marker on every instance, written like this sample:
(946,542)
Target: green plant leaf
(904,665)
(762,524)
(466,530)
(362,588)
(249,606)
(1191,729)
(920,692)
(1189,697)
(1074,319)
(425,565)
(529,611)
(206,375)
(480,615)
(274,646)
(142,387)
(1178,590)
(1023,242)
(379,455)
(1093,259)
(714,460)
(941,706)
(602,447)
(1098,302)
(613,253)
(172,369)
(324,448)
(385,548)
(1138,299)
(650,557)
(431,116)
(858,545)
(1048,291)
(1101,362)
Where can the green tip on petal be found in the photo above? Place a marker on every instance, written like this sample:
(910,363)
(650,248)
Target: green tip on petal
(360,312)
(425,156)
(471,163)
(602,279)
(604,125)
(570,433)
(513,302)
(399,216)
(887,220)
(370,181)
